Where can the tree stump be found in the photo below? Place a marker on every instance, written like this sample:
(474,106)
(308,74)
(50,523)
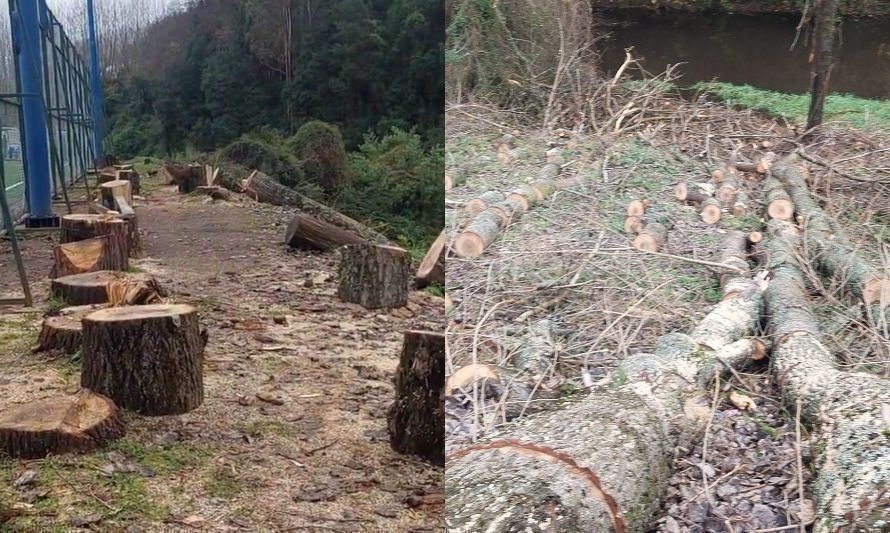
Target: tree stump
(106,252)
(374,276)
(79,227)
(78,423)
(146,358)
(189,178)
(106,175)
(417,417)
(93,288)
(309,233)
(134,241)
(63,333)
(128,174)
(432,268)
(117,196)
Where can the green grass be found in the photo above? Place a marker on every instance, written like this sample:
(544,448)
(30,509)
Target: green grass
(222,483)
(858,112)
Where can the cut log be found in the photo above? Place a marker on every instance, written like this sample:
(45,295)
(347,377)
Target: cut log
(754,237)
(718,174)
(651,237)
(633,224)
(116,196)
(779,205)
(690,194)
(544,189)
(374,276)
(215,192)
(457,176)
(106,252)
(147,358)
(308,233)
(765,162)
(478,236)
(830,250)
(710,211)
(57,425)
(525,196)
(745,166)
(505,142)
(728,190)
(740,206)
(479,204)
(571,477)
(92,287)
(416,419)
(63,333)
(266,189)
(505,210)
(432,268)
(637,208)
(846,410)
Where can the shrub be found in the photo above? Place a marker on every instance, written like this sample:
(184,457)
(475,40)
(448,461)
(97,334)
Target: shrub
(255,153)
(319,146)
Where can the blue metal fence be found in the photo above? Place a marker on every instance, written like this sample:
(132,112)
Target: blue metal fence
(48,125)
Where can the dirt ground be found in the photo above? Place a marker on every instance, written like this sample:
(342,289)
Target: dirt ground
(566,280)
(312,455)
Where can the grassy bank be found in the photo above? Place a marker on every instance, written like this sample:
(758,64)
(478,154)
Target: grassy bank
(858,112)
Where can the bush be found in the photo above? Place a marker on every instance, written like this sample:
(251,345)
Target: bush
(254,153)
(319,146)
(398,182)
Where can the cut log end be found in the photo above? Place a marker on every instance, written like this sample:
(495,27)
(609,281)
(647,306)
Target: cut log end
(467,375)
(781,209)
(755,237)
(469,245)
(651,238)
(432,267)
(58,425)
(710,211)
(633,224)
(637,207)
(681,190)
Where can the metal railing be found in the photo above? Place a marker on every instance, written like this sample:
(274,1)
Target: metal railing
(67,106)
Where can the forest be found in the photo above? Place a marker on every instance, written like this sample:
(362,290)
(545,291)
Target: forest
(200,78)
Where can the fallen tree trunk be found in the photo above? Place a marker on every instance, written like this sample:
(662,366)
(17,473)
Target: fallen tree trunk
(147,358)
(478,235)
(416,419)
(651,237)
(374,276)
(778,204)
(830,250)
(432,267)
(57,425)
(846,409)
(309,233)
(479,204)
(573,463)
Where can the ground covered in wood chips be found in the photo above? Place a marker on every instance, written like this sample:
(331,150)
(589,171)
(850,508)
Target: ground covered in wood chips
(292,433)
(564,287)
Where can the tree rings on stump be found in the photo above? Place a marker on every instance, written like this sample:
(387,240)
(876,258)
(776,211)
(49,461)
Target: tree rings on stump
(779,204)
(93,287)
(106,252)
(78,423)
(63,333)
(147,358)
(710,211)
(417,417)
(79,227)
(374,276)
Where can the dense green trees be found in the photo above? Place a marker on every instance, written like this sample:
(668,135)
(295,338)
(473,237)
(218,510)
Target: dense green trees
(291,87)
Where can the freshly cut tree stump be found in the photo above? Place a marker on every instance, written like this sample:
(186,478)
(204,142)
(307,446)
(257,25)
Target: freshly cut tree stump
(417,417)
(147,358)
(432,268)
(63,424)
(710,211)
(374,276)
(63,333)
(128,174)
(478,236)
(651,237)
(79,227)
(93,287)
(478,205)
(106,252)
(309,233)
(116,195)
(106,175)
(779,205)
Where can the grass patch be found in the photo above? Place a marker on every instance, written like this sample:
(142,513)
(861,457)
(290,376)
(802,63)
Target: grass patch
(222,483)
(745,223)
(55,304)
(163,459)
(262,428)
(858,112)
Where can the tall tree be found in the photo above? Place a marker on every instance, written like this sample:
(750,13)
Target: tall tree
(824,36)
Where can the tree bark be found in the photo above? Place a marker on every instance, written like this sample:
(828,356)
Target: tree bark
(134,239)
(569,468)
(432,267)
(105,252)
(93,287)
(58,425)
(146,358)
(824,37)
(417,417)
(846,409)
(63,333)
(215,192)
(79,227)
(480,203)
(306,232)
(778,204)
(651,237)
(128,174)
(374,276)
(479,235)
(690,194)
